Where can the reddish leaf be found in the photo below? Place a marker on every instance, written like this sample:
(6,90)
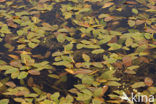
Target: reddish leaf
(15,63)
(113,40)
(148,81)
(105,88)
(130,2)
(11,23)
(30,82)
(107,4)
(144,59)
(34,72)
(127,60)
(118,65)
(109,18)
(10,84)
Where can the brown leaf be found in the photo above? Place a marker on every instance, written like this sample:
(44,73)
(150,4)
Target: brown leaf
(130,2)
(105,88)
(30,82)
(144,59)
(127,60)
(113,40)
(139,22)
(16,63)
(11,23)
(83,71)
(107,4)
(143,42)
(10,84)
(34,72)
(47,54)
(148,81)
(38,56)
(109,18)
(150,30)
(118,65)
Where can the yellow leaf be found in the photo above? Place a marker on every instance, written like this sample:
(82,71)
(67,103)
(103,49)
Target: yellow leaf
(70,71)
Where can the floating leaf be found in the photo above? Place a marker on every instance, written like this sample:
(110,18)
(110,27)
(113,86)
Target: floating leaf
(108,4)
(68,47)
(61,37)
(87,79)
(106,39)
(131,23)
(22,75)
(127,60)
(135,11)
(34,72)
(114,46)
(138,85)
(11,84)
(4,101)
(79,46)
(148,81)
(86,57)
(55,96)
(129,41)
(113,83)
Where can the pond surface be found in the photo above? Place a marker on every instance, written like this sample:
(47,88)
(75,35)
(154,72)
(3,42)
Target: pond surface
(77,51)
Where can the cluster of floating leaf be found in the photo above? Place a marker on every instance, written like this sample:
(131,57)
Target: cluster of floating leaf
(101,43)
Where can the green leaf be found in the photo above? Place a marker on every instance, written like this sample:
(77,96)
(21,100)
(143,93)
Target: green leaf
(22,75)
(106,39)
(138,85)
(108,75)
(87,79)
(114,46)
(148,35)
(86,95)
(32,45)
(68,47)
(131,23)
(86,42)
(135,11)
(69,99)
(97,101)
(15,74)
(79,46)
(98,92)
(92,46)
(80,86)
(4,101)
(20,32)
(86,57)
(133,67)
(55,96)
(97,64)
(37,90)
(10,69)
(129,41)
(84,10)
(113,83)
(98,51)
(61,38)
